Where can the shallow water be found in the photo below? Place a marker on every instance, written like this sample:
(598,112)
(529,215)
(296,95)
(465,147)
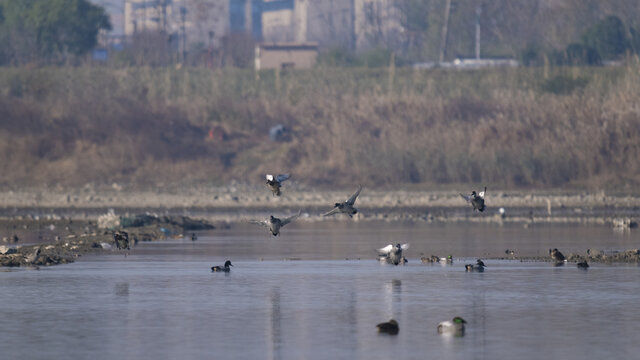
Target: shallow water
(163,302)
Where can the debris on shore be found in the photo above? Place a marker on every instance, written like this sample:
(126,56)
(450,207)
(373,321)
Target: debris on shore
(75,238)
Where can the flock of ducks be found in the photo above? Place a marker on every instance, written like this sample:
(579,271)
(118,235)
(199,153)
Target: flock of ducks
(391,254)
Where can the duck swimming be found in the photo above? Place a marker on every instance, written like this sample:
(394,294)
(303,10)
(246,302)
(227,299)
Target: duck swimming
(447,260)
(430,259)
(583,265)
(274,224)
(390,327)
(393,254)
(454,327)
(347,206)
(224,268)
(275,183)
(478,266)
(476,200)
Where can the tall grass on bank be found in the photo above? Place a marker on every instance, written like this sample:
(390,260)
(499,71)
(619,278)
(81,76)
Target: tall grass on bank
(508,127)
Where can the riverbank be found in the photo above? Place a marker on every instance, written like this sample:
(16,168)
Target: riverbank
(237,201)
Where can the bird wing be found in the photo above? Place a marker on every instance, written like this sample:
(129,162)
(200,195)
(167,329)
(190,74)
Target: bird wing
(264,223)
(282,177)
(466,197)
(291,218)
(269,177)
(386,249)
(335,210)
(352,199)
(404,246)
(482,192)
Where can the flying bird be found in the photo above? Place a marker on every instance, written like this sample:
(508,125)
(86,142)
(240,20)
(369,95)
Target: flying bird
(275,183)
(31,258)
(476,200)
(347,206)
(274,224)
(393,254)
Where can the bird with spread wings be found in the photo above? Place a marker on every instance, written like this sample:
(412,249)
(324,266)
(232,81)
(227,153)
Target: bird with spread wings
(347,206)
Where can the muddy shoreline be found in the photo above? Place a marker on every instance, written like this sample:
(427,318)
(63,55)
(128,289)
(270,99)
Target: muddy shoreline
(36,242)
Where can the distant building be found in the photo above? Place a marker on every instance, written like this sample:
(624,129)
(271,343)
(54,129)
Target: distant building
(285,55)
(352,24)
(196,21)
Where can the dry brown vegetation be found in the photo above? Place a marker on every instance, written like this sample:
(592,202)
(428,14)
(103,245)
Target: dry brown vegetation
(145,126)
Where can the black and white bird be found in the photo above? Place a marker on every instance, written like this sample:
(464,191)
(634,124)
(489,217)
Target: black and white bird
(478,266)
(393,254)
(274,224)
(556,256)
(347,206)
(274,183)
(476,200)
(224,268)
(121,238)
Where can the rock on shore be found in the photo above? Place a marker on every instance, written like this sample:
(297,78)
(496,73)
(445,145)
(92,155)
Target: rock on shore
(75,238)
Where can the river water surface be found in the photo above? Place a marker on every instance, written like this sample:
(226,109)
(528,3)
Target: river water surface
(317,292)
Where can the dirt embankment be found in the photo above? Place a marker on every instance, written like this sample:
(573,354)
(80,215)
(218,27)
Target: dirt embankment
(233,202)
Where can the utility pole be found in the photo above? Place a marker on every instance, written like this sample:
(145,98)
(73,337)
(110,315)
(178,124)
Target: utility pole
(183,14)
(478,12)
(164,16)
(445,28)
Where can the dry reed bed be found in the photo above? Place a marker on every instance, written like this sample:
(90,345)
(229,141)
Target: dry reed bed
(73,126)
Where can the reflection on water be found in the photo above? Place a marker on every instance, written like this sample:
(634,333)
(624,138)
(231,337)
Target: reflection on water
(274,332)
(163,302)
(122,289)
